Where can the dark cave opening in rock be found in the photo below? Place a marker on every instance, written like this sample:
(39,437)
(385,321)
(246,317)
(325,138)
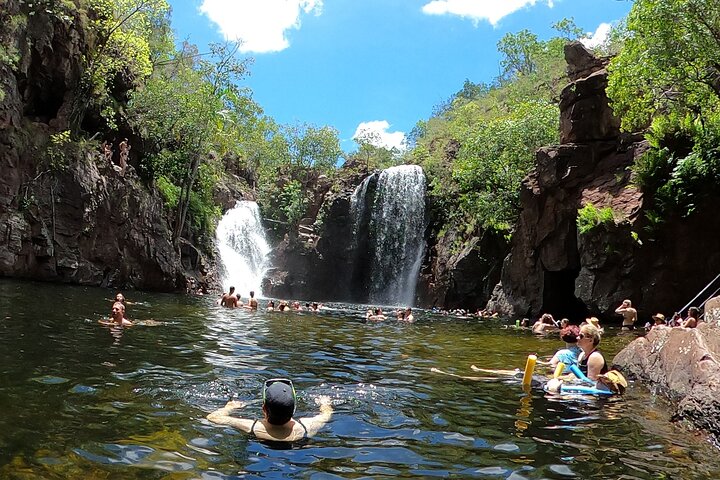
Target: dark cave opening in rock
(559,296)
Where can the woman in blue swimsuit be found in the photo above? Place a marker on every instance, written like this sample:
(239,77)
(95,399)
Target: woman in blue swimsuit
(278,408)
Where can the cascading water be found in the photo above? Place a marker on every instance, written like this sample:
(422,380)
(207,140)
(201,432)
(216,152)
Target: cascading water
(243,248)
(397,226)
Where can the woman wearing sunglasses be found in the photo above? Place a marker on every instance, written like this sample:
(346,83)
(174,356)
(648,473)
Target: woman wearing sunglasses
(278,408)
(591,361)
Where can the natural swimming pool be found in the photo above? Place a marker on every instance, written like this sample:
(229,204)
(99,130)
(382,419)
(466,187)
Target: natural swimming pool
(80,402)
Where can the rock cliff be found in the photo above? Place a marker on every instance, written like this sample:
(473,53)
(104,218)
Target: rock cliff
(682,365)
(554,267)
(65,213)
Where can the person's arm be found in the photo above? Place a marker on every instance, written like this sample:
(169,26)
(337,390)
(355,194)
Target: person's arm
(595,364)
(221,416)
(620,310)
(314,424)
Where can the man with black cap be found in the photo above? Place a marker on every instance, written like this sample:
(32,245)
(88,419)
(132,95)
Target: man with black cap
(278,408)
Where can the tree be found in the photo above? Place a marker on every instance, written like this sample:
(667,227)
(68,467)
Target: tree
(123,31)
(670,62)
(497,156)
(310,146)
(188,111)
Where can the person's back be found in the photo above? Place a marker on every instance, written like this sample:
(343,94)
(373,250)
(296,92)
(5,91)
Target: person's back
(229,300)
(277,423)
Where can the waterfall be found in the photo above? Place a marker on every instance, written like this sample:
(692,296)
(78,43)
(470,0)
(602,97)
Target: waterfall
(397,227)
(357,207)
(243,248)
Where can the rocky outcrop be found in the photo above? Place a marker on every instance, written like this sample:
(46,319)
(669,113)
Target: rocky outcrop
(554,267)
(318,260)
(683,365)
(461,274)
(65,213)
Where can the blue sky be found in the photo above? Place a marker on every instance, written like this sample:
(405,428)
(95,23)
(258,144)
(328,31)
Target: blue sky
(377,65)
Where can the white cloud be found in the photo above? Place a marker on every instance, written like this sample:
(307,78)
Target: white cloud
(598,38)
(260,24)
(377,135)
(477,10)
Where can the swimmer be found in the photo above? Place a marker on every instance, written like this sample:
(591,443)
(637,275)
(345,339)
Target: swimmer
(271,306)
(544,325)
(229,299)
(568,355)
(628,313)
(252,303)
(377,316)
(409,317)
(117,317)
(278,408)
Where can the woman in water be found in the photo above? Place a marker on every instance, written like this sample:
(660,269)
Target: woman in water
(591,361)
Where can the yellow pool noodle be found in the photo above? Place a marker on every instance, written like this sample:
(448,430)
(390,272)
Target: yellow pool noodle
(559,369)
(529,369)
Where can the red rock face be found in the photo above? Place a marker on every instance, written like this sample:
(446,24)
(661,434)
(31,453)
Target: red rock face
(682,364)
(553,267)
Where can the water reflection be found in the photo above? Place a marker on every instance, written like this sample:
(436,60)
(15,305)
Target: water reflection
(81,403)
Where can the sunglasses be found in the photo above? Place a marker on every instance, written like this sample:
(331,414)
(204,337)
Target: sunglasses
(285,381)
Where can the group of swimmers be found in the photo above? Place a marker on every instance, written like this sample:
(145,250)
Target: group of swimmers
(401,315)
(230,299)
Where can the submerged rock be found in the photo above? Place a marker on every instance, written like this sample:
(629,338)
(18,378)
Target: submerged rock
(682,365)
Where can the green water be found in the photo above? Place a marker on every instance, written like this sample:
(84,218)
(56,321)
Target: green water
(79,401)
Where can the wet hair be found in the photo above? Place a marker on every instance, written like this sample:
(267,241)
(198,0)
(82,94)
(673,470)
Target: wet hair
(232,289)
(569,334)
(694,312)
(271,303)
(279,403)
(252,293)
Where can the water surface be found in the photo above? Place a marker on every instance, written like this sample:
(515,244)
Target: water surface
(82,401)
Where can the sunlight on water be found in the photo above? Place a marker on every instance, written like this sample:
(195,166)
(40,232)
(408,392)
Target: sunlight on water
(80,402)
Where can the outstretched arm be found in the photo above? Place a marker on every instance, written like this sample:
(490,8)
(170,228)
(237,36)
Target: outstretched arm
(222,416)
(314,424)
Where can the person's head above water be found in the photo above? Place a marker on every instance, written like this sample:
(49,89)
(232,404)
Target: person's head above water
(278,400)
(570,333)
(252,294)
(120,297)
(232,290)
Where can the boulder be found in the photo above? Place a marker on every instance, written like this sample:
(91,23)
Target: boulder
(712,311)
(683,365)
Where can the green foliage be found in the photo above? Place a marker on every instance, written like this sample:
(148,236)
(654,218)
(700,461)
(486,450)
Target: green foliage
(670,62)
(169,191)
(190,112)
(57,150)
(497,156)
(122,52)
(590,217)
(310,146)
(292,203)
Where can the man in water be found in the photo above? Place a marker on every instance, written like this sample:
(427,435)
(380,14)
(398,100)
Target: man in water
(252,303)
(229,299)
(278,408)
(117,317)
(628,313)
(409,316)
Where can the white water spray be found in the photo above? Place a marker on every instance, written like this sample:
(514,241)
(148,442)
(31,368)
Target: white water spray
(397,227)
(243,248)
